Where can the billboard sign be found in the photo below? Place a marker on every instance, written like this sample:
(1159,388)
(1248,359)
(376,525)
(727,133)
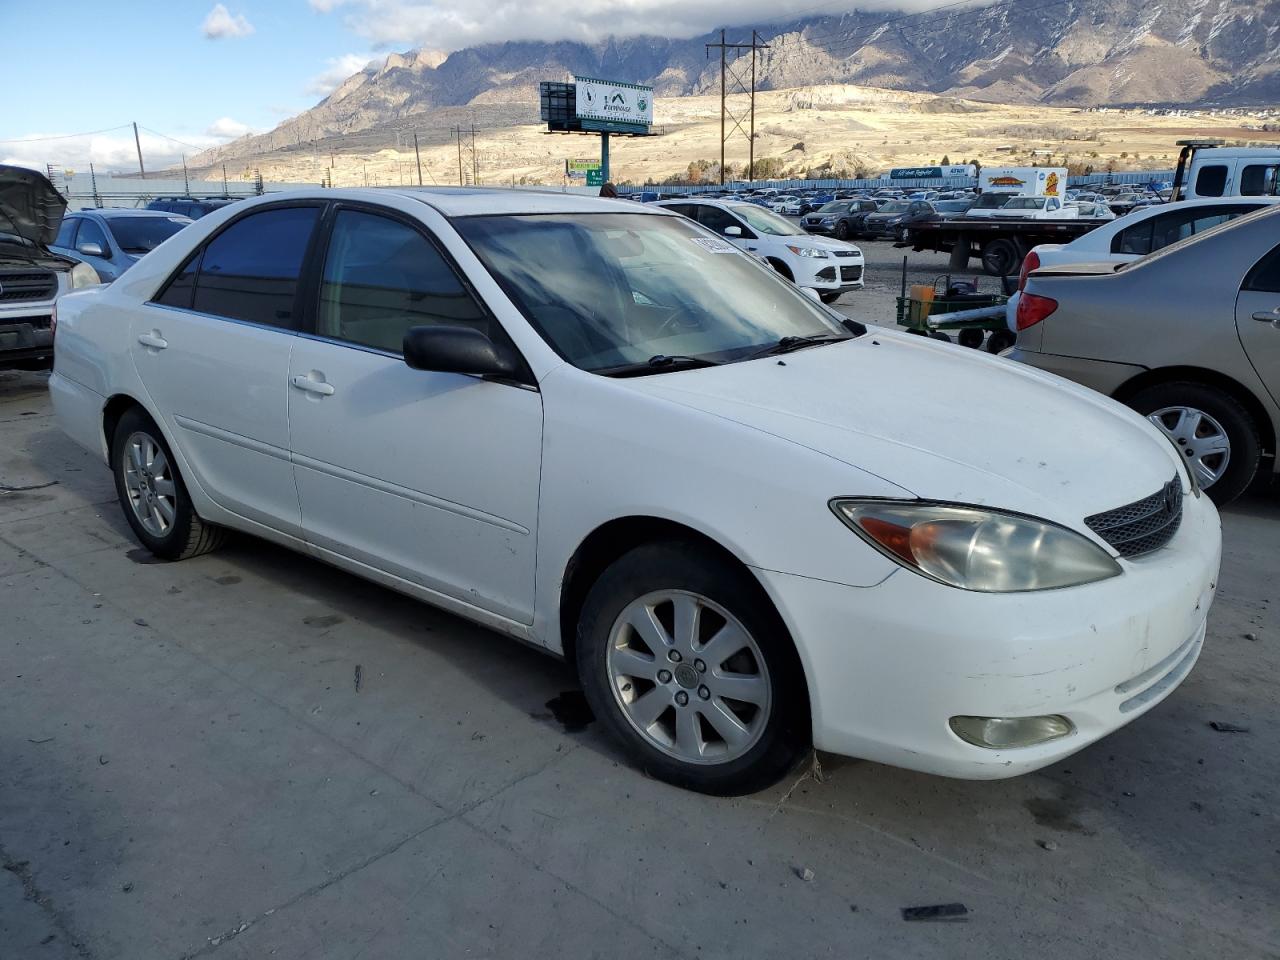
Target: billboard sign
(933,173)
(607,101)
(577,169)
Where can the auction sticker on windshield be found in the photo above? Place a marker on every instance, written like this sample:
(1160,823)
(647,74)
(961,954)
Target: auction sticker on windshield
(714,245)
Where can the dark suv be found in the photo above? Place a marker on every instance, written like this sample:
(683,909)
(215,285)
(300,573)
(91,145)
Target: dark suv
(841,219)
(192,207)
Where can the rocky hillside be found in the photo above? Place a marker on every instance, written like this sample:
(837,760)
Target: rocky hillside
(1077,52)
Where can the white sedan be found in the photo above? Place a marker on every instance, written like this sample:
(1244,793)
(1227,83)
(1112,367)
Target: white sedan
(606,432)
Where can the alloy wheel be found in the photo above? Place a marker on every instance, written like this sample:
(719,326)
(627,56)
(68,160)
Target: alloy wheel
(689,677)
(1201,439)
(148,480)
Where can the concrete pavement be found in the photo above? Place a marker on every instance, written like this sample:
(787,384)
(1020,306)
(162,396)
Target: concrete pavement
(187,768)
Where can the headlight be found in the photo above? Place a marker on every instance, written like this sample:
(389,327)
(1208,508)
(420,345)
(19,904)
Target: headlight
(83,275)
(828,219)
(977,549)
(808,252)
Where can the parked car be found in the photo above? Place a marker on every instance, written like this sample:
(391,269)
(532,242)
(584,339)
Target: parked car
(895,218)
(32,276)
(830,267)
(600,429)
(111,241)
(1138,234)
(842,219)
(1188,336)
(192,207)
(1090,210)
(951,209)
(792,206)
(989,204)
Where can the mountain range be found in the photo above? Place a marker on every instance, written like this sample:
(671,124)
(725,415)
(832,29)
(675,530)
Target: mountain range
(1064,53)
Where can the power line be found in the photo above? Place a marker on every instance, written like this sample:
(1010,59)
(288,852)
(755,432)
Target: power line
(65,136)
(165,136)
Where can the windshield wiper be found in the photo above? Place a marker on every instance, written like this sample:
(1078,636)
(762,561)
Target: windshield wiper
(791,344)
(658,363)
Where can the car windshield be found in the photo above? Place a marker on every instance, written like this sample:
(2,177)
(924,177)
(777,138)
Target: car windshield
(991,201)
(765,221)
(836,206)
(607,290)
(144,234)
(896,206)
(951,206)
(1025,203)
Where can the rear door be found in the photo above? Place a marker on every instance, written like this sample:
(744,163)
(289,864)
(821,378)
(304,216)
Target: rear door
(431,477)
(213,353)
(1258,319)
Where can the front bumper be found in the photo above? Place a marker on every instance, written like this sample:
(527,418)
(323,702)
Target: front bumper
(834,273)
(889,665)
(28,337)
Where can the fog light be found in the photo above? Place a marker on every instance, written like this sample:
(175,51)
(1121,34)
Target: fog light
(1002,733)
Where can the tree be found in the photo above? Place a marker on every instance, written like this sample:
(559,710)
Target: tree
(946,160)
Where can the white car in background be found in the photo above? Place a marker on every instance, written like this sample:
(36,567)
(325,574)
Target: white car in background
(604,431)
(825,265)
(1127,238)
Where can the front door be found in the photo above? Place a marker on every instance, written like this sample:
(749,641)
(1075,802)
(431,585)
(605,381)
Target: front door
(213,353)
(1258,320)
(431,477)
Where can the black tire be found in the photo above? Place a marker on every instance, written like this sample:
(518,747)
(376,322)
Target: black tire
(1001,340)
(673,565)
(1245,451)
(842,230)
(939,335)
(188,535)
(971,338)
(1000,258)
(829,296)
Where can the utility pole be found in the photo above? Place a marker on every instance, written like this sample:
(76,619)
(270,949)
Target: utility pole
(224,179)
(740,86)
(475,162)
(137,142)
(93,180)
(417,156)
(458,132)
(186,180)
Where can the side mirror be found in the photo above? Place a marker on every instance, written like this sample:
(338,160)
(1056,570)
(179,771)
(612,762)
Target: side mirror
(457,349)
(91,249)
(733,231)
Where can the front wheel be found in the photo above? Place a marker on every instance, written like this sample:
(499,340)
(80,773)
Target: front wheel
(152,494)
(828,296)
(1214,433)
(842,230)
(690,668)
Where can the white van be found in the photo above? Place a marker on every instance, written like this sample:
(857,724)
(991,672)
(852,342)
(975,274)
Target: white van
(1216,171)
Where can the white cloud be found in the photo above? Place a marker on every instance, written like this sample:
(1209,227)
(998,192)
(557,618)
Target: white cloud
(221,25)
(336,70)
(228,129)
(454,24)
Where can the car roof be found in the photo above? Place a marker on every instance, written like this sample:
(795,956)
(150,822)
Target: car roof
(116,213)
(478,201)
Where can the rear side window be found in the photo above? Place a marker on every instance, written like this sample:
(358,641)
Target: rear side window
(382,277)
(182,285)
(250,271)
(1211,181)
(1160,231)
(1265,275)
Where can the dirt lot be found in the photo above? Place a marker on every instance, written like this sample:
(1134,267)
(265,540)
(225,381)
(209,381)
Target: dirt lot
(253,755)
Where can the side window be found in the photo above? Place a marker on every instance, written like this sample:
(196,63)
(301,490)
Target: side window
(1265,275)
(715,219)
(1211,181)
(1135,239)
(177,293)
(90,232)
(250,270)
(1258,180)
(67,233)
(382,277)
(684,209)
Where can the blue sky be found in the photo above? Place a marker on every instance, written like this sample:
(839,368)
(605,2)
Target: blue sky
(150,61)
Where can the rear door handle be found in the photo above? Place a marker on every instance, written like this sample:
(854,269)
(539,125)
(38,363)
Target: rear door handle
(153,340)
(1268,316)
(313,386)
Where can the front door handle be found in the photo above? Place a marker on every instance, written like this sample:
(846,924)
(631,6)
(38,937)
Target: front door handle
(153,340)
(1268,316)
(318,387)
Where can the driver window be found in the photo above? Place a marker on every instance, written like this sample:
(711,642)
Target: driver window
(382,277)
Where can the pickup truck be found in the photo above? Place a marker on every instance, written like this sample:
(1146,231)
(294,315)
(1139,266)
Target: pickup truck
(32,277)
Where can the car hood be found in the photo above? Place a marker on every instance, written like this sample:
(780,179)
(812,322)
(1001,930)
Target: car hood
(942,422)
(29,205)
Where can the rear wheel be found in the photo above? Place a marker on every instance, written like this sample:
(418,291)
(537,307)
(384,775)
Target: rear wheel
(1000,258)
(971,338)
(1214,433)
(1001,340)
(690,668)
(152,494)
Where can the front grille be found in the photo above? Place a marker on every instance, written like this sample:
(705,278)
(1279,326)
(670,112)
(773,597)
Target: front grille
(850,274)
(846,253)
(36,285)
(1144,525)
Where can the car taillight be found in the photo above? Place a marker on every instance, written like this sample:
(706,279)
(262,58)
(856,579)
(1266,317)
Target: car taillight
(1031,262)
(1032,308)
